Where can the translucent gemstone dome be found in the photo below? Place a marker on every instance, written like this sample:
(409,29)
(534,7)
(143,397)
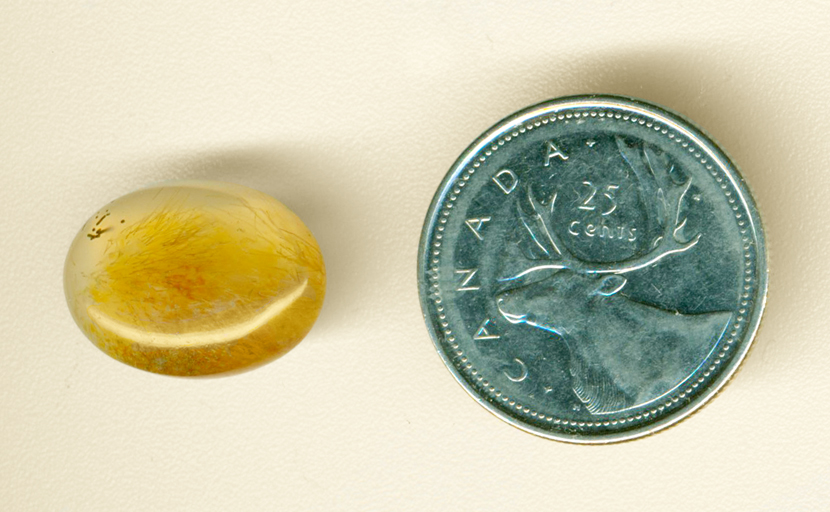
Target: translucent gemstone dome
(194,278)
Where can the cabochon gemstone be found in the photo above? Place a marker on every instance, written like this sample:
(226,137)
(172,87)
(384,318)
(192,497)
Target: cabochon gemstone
(195,278)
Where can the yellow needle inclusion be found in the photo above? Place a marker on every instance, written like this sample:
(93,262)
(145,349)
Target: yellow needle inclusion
(195,278)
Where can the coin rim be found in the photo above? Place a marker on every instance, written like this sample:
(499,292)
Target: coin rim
(682,125)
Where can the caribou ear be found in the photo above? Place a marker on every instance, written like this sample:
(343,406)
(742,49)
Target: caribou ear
(610,285)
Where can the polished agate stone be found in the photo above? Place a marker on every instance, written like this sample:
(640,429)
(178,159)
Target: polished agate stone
(194,278)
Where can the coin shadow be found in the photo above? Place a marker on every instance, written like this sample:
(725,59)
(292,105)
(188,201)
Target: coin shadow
(292,176)
(719,96)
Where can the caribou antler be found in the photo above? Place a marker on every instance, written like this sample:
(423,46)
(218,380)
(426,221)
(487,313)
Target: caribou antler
(662,198)
(539,229)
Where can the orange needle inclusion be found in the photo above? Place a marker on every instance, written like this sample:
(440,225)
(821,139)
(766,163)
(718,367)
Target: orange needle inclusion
(195,278)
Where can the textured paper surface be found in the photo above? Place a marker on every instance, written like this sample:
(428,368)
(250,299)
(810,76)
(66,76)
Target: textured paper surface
(351,115)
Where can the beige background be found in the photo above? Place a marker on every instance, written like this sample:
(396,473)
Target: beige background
(351,115)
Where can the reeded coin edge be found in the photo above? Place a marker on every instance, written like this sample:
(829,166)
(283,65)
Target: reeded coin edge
(625,109)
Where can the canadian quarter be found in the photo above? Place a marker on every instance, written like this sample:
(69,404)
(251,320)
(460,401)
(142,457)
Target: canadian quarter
(592,269)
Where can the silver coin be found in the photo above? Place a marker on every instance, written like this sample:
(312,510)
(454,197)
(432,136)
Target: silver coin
(593,269)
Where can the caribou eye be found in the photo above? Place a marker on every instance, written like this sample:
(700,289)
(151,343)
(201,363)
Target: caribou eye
(611,285)
(510,317)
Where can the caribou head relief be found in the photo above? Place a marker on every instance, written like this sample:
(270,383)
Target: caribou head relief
(623,353)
